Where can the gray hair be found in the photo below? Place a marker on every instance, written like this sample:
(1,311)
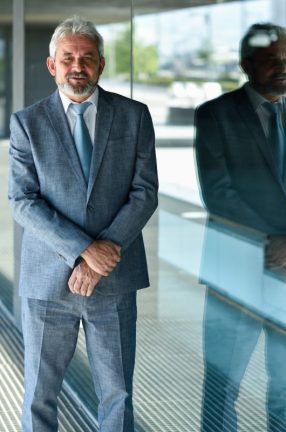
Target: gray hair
(260,36)
(76,25)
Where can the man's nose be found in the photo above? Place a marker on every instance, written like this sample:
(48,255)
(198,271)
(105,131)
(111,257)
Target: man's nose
(78,64)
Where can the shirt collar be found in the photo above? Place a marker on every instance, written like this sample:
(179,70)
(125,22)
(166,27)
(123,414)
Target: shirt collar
(93,98)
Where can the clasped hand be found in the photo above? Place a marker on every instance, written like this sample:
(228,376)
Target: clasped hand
(102,256)
(83,280)
(99,259)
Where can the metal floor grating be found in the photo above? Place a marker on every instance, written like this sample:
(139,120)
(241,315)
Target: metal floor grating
(169,375)
(169,379)
(72,417)
(167,384)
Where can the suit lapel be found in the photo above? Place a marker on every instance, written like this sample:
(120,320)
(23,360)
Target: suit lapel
(105,112)
(104,118)
(253,124)
(64,137)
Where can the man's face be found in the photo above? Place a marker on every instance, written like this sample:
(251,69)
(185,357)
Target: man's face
(76,67)
(266,70)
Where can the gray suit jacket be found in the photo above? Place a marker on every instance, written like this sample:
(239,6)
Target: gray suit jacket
(238,176)
(61,215)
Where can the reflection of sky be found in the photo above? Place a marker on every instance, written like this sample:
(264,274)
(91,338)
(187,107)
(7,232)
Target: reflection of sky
(220,23)
(195,25)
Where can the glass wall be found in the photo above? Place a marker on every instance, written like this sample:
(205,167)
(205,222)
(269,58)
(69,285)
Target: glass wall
(187,56)
(6,247)
(5,65)
(218,332)
(214,319)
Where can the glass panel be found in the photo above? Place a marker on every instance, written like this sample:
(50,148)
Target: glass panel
(117,73)
(215,308)
(187,56)
(6,243)
(5,66)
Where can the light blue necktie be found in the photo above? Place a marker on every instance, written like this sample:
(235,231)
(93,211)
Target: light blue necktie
(82,138)
(276,135)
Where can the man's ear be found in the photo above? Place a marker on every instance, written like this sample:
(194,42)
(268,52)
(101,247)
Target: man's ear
(101,65)
(246,66)
(51,66)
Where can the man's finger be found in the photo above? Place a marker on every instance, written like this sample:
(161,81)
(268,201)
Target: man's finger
(84,289)
(77,286)
(89,290)
(71,282)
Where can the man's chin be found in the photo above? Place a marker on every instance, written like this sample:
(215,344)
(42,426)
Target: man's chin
(77,90)
(278,89)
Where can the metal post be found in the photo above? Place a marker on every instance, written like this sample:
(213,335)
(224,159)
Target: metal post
(18,76)
(18,102)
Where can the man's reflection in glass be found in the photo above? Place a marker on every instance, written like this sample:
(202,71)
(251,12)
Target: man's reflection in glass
(240,148)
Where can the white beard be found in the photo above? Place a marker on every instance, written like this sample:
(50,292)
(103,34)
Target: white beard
(77,90)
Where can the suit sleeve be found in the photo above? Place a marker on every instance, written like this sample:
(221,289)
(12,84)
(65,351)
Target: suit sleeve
(31,210)
(218,192)
(143,195)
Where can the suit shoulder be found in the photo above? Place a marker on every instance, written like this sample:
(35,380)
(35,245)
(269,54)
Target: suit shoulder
(222,102)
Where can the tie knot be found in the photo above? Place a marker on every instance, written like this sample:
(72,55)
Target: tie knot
(273,108)
(80,108)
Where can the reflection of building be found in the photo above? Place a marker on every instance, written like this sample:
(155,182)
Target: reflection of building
(186,96)
(32,23)
(170,326)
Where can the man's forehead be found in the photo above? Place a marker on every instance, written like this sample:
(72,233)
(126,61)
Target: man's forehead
(76,41)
